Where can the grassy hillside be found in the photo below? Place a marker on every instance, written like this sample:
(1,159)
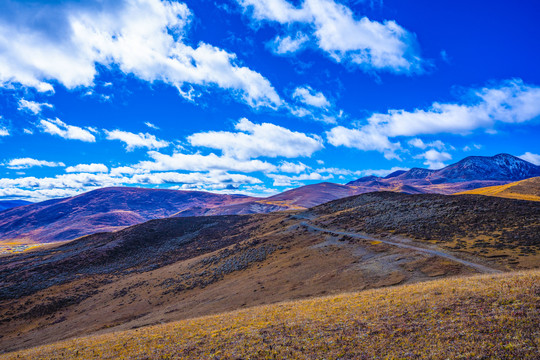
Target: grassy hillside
(486,316)
(528,189)
(177,268)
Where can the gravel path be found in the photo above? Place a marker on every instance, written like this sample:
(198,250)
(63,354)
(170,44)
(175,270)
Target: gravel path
(479,267)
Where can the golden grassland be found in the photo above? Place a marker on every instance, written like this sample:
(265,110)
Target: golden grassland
(477,317)
(516,190)
(285,204)
(9,247)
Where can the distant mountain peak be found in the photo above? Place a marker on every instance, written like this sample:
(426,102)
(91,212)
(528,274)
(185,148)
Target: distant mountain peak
(501,167)
(504,167)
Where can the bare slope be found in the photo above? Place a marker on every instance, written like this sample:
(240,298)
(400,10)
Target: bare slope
(177,268)
(473,317)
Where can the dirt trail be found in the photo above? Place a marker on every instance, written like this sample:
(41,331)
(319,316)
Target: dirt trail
(479,267)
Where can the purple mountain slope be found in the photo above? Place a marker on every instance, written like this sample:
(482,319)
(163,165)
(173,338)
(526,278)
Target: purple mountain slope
(105,209)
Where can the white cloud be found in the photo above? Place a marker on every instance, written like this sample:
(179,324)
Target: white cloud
(310,97)
(289,167)
(25,163)
(341,34)
(435,159)
(256,140)
(60,128)
(3,130)
(32,106)
(420,144)
(197,162)
(530,157)
(362,140)
(88,168)
(509,102)
(284,180)
(512,102)
(213,178)
(288,44)
(151,126)
(65,42)
(139,140)
(38,189)
(125,170)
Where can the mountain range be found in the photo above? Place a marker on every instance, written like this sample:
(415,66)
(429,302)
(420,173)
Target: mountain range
(110,209)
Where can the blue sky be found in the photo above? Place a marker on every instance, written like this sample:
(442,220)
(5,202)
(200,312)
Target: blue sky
(258,96)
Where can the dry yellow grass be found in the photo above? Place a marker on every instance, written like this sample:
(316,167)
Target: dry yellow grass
(522,190)
(488,316)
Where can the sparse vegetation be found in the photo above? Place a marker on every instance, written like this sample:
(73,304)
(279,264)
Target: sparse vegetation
(479,317)
(178,268)
(492,227)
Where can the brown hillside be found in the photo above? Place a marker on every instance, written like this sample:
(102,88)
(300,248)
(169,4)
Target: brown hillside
(178,268)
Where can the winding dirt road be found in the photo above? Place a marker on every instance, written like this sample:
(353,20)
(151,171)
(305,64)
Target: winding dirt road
(479,267)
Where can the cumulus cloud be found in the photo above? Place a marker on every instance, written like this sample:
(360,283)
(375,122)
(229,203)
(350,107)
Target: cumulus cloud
(151,125)
(65,42)
(139,140)
(530,157)
(60,128)
(284,180)
(213,178)
(341,34)
(32,106)
(310,97)
(88,168)
(38,189)
(509,102)
(420,144)
(313,104)
(198,162)
(25,163)
(257,140)
(435,159)
(289,167)
(288,44)
(363,140)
